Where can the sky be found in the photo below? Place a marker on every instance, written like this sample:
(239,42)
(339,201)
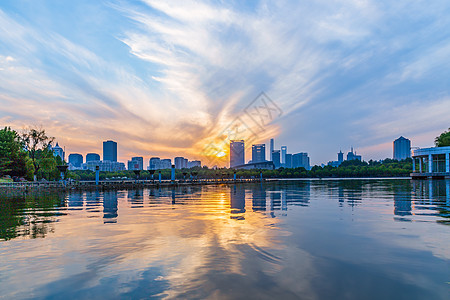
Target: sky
(182,78)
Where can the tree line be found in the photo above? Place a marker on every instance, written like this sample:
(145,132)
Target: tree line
(354,168)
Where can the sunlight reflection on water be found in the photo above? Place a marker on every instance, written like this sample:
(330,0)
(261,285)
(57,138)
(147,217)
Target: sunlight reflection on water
(290,239)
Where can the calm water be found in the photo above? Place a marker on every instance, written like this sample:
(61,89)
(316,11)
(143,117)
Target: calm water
(328,239)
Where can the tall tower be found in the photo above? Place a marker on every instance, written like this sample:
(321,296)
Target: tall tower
(258,153)
(272,145)
(110,151)
(283,154)
(402,148)
(237,153)
(340,156)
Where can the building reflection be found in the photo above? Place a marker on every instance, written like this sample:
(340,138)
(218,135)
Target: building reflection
(434,193)
(75,201)
(136,198)
(237,202)
(349,191)
(258,198)
(93,201)
(402,198)
(110,207)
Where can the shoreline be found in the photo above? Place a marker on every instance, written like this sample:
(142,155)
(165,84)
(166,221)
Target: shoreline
(132,184)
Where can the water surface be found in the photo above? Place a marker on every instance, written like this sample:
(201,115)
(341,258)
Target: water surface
(318,239)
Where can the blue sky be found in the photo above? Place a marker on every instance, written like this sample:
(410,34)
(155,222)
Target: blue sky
(165,78)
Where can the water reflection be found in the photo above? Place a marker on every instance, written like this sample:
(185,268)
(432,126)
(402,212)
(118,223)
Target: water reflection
(110,211)
(276,240)
(29,214)
(237,202)
(402,199)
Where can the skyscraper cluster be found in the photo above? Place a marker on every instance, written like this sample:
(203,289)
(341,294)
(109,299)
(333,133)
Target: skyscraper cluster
(278,158)
(351,155)
(110,163)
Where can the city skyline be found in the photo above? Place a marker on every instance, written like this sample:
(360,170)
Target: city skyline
(168,77)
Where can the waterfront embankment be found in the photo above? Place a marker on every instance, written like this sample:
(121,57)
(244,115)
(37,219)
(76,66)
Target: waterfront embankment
(111,184)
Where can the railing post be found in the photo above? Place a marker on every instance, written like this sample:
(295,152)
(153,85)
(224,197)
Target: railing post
(430,163)
(97,174)
(172,177)
(447,163)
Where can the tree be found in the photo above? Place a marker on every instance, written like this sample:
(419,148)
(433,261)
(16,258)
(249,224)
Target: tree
(38,145)
(13,158)
(443,140)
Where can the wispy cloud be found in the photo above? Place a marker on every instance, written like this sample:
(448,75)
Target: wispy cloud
(345,72)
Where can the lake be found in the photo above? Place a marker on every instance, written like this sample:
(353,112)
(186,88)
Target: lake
(305,239)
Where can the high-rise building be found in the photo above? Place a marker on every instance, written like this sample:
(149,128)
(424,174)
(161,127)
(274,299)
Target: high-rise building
(288,163)
(132,165)
(136,163)
(258,153)
(58,151)
(76,160)
(402,148)
(276,158)
(179,162)
(92,157)
(166,163)
(340,157)
(352,155)
(154,163)
(110,151)
(283,154)
(272,145)
(301,160)
(237,153)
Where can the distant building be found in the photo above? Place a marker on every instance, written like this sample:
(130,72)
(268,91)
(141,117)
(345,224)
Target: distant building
(401,148)
(340,156)
(237,153)
(92,157)
(288,163)
(301,160)
(276,157)
(105,165)
(283,154)
(76,160)
(58,151)
(352,156)
(266,165)
(272,145)
(258,153)
(339,161)
(154,163)
(166,163)
(136,163)
(179,162)
(110,151)
(194,163)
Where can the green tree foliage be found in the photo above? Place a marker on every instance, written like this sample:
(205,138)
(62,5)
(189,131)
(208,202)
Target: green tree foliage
(37,143)
(443,140)
(14,160)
